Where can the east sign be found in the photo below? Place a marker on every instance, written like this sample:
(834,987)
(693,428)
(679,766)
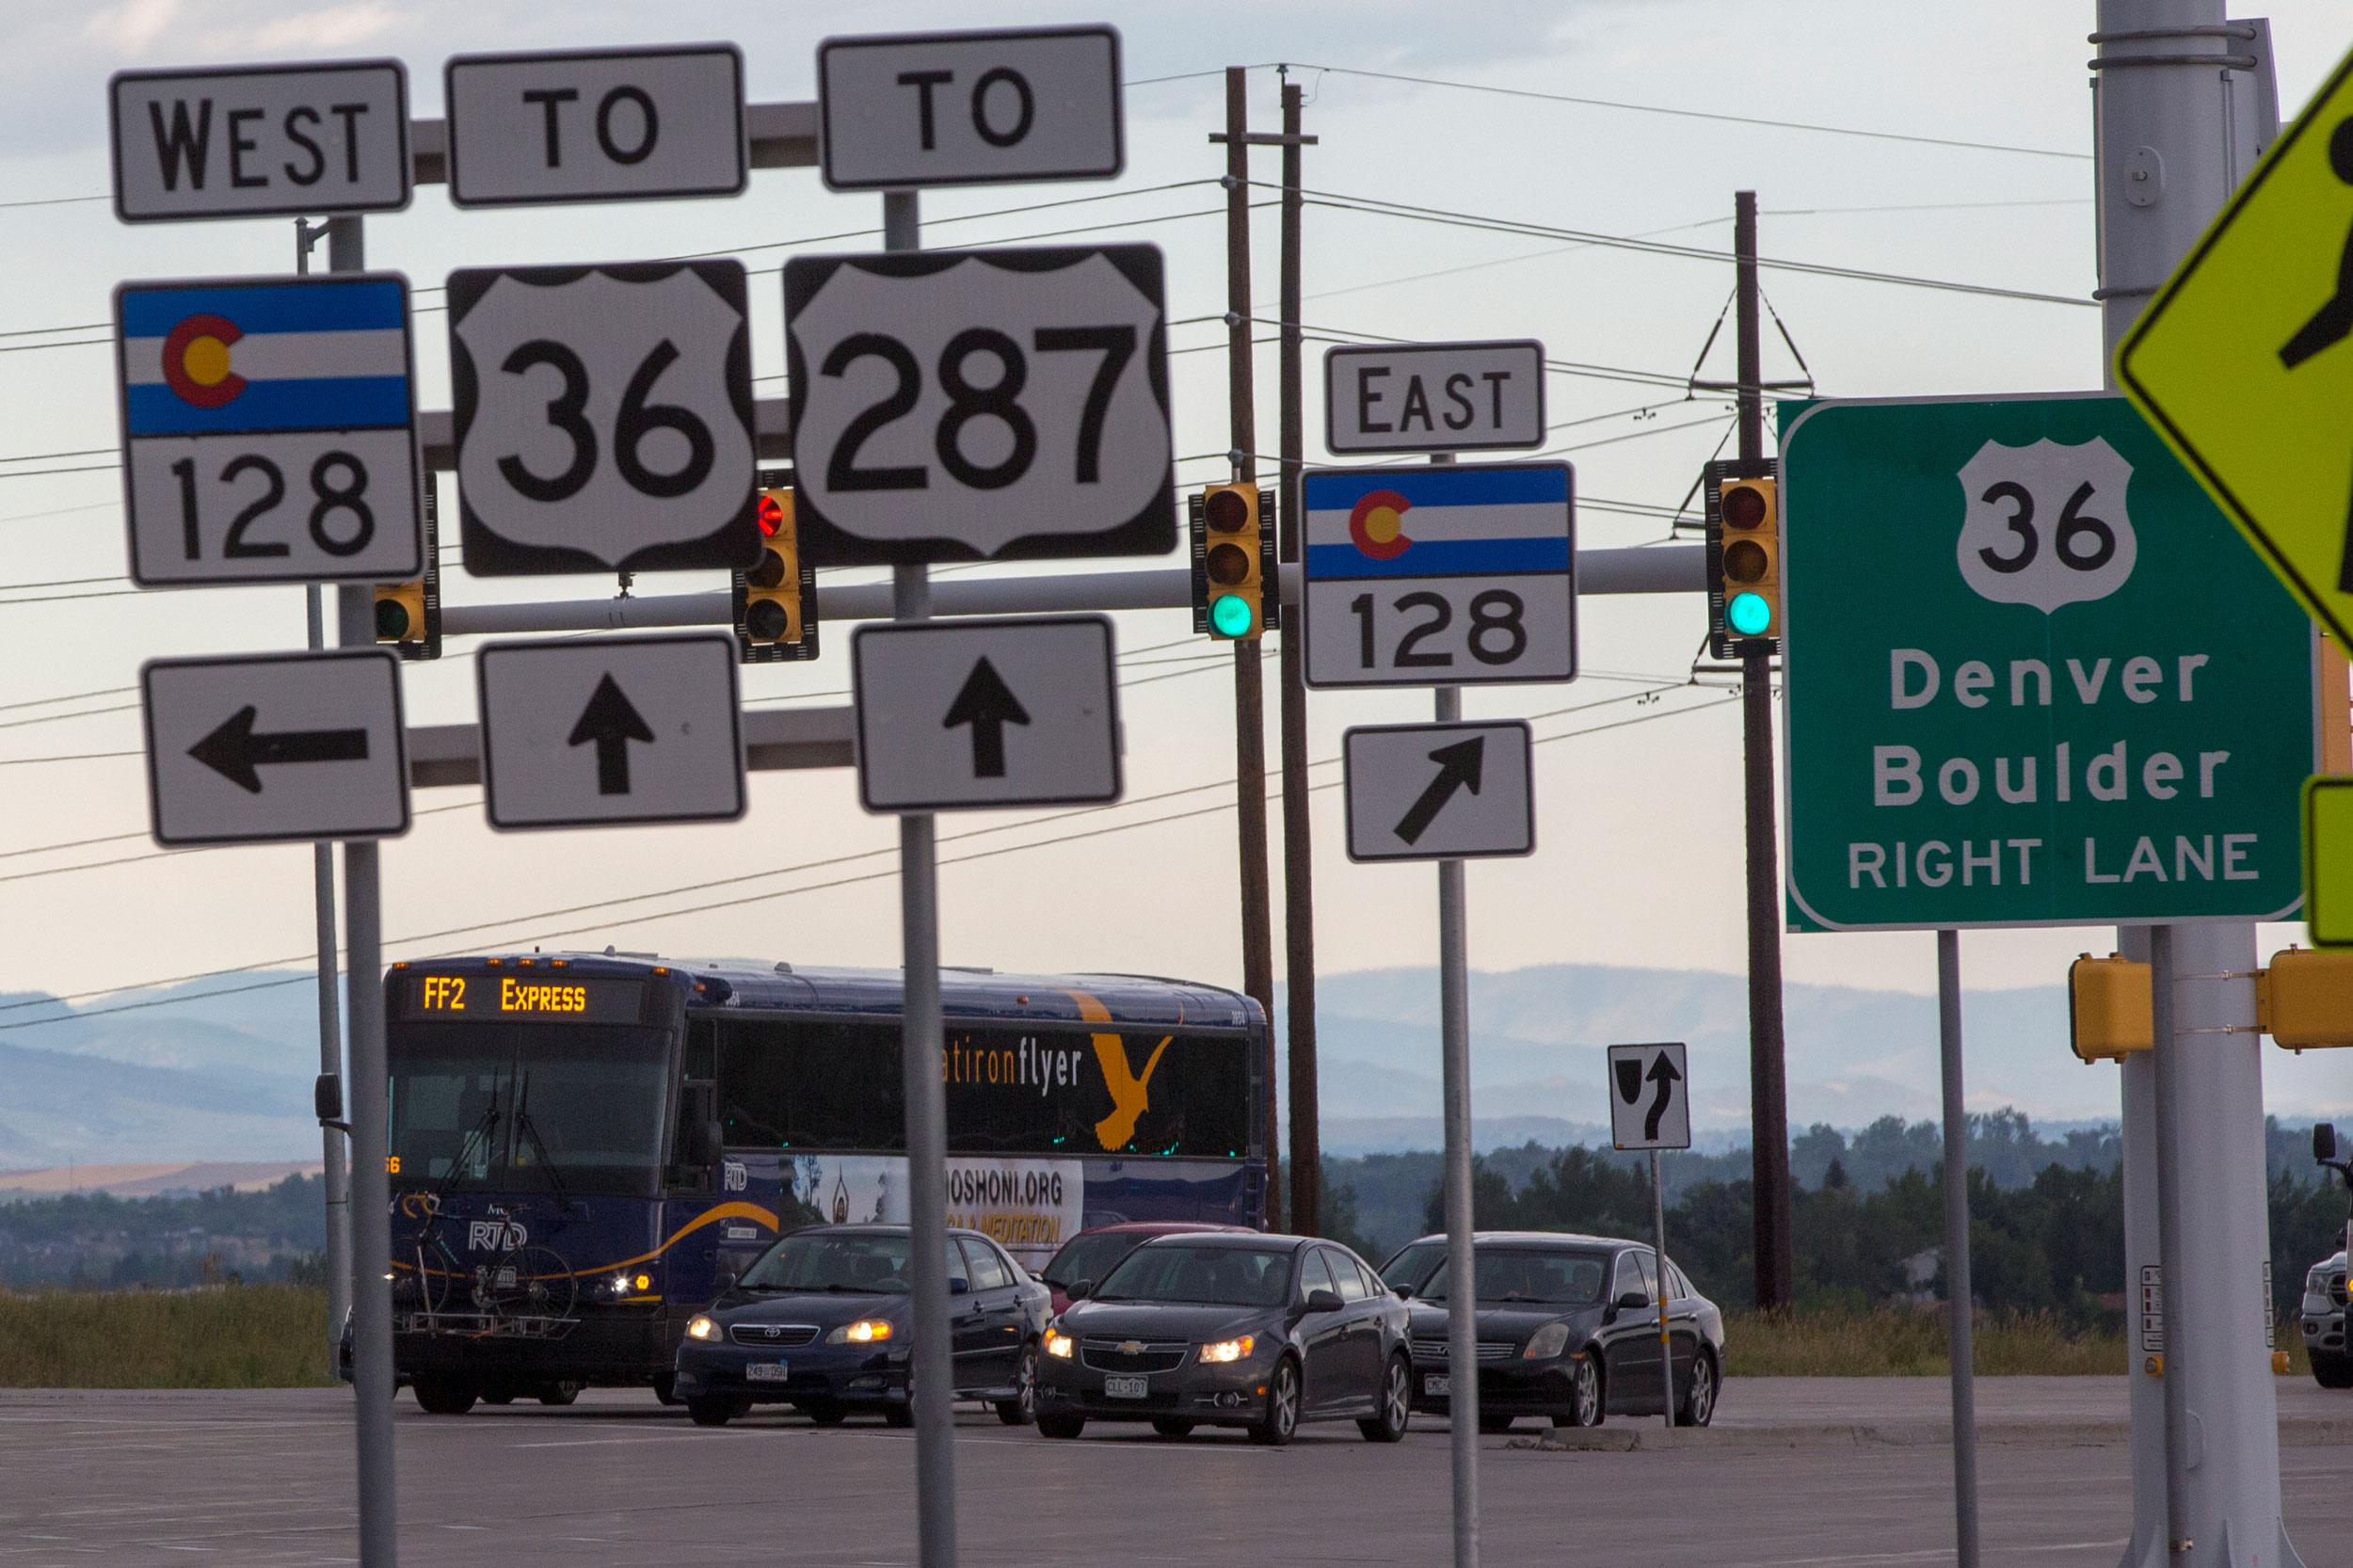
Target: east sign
(2032,676)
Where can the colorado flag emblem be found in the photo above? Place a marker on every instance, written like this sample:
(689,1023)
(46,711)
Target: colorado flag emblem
(269,430)
(329,355)
(1438,521)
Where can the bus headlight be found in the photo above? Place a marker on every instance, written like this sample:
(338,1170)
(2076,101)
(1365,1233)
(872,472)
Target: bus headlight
(1229,1350)
(866,1331)
(1060,1344)
(1549,1341)
(624,1284)
(702,1326)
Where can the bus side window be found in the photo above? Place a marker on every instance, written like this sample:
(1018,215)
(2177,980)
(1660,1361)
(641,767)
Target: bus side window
(702,1048)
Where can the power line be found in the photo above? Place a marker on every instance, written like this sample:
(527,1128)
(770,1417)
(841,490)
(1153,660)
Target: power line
(783,871)
(1706,114)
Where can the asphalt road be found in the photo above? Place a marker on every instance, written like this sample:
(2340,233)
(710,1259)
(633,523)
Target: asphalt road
(264,1480)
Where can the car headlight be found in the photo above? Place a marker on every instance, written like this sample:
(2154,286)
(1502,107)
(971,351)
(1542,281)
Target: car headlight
(1230,1350)
(1547,1342)
(2316,1282)
(702,1326)
(866,1331)
(1060,1344)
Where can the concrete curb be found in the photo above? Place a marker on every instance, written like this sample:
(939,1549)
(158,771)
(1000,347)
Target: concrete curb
(2302,1433)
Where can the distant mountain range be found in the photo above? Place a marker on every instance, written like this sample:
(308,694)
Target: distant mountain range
(229,1077)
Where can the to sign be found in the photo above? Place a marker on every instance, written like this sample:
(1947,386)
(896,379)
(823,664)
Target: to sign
(2244,360)
(1434,397)
(1650,1096)
(1440,576)
(2011,699)
(596,125)
(603,417)
(274,746)
(1439,792)
(980,405)
(913,109)
(259,140)
(631,729)
(268,430)
(985,712)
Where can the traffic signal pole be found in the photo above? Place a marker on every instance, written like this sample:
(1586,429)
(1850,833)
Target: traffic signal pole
(1769,1086)
(2183,103)
(372,1383)
(1257,940)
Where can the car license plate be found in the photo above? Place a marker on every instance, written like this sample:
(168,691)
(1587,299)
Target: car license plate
(1433,1384)
(1126,1389)
(766,1371)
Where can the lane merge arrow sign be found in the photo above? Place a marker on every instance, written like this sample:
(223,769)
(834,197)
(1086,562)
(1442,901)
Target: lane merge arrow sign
(1650,1096)
(269,747)
(609,723)
(1439,792)
(1019,712)
(987,704)
(631,730)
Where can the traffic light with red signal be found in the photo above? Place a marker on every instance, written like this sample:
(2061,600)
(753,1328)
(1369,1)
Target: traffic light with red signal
(776,597)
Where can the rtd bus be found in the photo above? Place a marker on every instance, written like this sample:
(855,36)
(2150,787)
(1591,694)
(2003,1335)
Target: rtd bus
(582,1145)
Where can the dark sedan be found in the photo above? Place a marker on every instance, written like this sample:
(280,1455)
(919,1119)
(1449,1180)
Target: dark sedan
(820,1321)
(1567,1328)
(1093,1254)
(1259,1331)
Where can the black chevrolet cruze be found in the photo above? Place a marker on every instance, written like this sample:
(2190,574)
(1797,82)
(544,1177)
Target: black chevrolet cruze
(820,1321)
(1260,1332)
(1567,1329)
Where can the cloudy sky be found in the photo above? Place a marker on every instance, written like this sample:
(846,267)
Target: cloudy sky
(1641,860)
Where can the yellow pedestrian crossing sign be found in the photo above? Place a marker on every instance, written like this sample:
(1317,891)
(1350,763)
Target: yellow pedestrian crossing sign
(2244,360)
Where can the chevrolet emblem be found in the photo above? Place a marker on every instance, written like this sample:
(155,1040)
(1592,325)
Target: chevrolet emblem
(1132,1347)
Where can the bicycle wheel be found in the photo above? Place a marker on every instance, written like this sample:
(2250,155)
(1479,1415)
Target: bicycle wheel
(529,1282)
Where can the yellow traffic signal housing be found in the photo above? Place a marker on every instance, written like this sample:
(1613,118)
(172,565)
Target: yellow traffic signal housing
(776,597)
(2110,1013)
(400,612)
(2304,999)
(1743,519)
(408,614)
(1233,563)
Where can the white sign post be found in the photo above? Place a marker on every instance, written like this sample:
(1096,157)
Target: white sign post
(596,125)
(272,746)
(1021,396)
(954,714)
(911,110)
(1439,792)
(581,733)
(1650,1108)
(259,140)
(1433,396)
(603,418)
(269,430)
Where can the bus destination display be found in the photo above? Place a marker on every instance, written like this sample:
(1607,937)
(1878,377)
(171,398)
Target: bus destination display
(571,999)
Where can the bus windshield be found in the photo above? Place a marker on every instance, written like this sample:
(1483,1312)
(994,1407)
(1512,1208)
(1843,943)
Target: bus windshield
(529,1107)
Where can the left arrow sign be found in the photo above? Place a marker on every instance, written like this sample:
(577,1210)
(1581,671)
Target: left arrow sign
(611,721)
(236,750)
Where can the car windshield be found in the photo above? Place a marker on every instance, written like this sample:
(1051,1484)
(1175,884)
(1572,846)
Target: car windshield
(830,1262)
(1089,1256)
(1554,1277)
(1411,1267)
(1212,1275)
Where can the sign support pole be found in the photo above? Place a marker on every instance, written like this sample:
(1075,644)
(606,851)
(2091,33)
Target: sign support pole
(2204,1491)
(929,1363)
(1257,936)
(1769,1092)
(1960,1298)
(1658,1256)
(332,1176)
(371,1194)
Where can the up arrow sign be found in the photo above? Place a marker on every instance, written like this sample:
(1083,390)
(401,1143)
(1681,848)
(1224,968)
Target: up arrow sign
(610,722)
(987,704)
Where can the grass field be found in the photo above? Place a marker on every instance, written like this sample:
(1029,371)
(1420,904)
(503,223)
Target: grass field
(274,1336)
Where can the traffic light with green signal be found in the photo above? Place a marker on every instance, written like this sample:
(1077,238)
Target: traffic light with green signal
(408,614)
(1743,515)
(1234,587)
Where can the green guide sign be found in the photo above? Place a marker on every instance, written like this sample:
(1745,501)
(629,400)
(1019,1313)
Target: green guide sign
(2033,676)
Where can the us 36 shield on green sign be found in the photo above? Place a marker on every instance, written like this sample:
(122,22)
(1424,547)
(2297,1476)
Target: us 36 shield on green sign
(2032,676)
